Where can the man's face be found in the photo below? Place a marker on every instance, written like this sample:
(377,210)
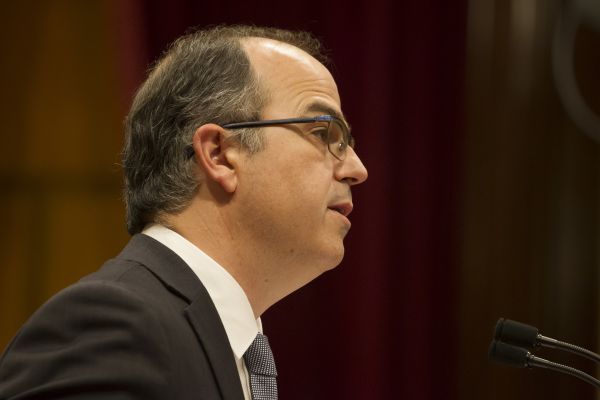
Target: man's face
(294,193)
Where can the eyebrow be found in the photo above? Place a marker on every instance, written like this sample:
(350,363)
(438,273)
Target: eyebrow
(322,107)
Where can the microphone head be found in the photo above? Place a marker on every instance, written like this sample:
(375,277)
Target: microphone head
(516,333)
(507,354)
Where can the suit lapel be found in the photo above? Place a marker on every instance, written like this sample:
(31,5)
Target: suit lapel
(213,339)
(200,313)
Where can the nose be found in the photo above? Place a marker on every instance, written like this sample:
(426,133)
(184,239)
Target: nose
(351,169)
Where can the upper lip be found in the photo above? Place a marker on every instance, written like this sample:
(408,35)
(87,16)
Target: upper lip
(343,208)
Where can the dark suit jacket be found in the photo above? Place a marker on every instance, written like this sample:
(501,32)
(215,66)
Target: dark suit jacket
(142,327)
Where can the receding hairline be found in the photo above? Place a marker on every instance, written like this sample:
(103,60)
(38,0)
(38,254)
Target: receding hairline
(245,41)
(294,53)
(278,47)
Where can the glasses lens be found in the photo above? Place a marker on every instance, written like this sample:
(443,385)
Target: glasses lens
(338,140)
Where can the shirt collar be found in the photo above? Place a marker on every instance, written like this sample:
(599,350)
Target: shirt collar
(229,298)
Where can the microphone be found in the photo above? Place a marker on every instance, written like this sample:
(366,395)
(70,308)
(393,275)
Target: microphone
(521,358)
(527,336)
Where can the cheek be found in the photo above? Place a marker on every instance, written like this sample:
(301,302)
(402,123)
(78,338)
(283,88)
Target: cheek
(293,184)
(292,202)
(300,195)
(305,188)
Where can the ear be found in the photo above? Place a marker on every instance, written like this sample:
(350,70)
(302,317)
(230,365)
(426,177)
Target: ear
(216,156)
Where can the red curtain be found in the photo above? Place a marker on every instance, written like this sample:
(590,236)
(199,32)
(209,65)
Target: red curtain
(383,324)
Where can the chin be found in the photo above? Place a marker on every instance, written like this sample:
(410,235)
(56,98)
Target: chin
(324,254)
(334,258)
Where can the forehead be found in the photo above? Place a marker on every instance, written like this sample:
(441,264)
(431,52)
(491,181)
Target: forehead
(295,81)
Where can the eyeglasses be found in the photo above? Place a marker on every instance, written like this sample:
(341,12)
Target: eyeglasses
(331,130)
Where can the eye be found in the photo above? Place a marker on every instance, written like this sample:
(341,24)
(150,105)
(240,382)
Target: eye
(321,133)
(337,136)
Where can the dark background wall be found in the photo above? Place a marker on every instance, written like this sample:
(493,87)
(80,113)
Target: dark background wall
(482,199)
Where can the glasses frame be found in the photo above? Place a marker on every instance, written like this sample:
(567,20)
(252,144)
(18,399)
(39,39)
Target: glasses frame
(348,140)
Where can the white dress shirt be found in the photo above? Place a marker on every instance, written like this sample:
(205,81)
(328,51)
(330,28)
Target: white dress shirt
(228,296)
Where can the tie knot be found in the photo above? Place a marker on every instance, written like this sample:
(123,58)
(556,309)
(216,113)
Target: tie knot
(259,357)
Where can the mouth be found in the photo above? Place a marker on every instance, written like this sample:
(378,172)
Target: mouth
(343,208)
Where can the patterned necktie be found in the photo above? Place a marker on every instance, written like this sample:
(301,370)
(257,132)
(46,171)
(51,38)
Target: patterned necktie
(261,365)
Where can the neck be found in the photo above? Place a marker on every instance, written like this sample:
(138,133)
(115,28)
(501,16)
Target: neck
(209,227)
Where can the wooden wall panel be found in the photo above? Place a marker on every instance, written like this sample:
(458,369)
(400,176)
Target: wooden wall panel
(531,205)
(59,176)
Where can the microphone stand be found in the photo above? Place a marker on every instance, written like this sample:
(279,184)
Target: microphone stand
(533,361)
(571,348)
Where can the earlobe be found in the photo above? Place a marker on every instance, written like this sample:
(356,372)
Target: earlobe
(216,156)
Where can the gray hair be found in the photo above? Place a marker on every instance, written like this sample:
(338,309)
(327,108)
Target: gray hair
(204,77)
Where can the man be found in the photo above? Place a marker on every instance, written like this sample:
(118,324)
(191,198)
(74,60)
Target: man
(238,167)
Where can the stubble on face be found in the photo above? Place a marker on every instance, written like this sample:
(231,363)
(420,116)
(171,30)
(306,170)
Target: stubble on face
(288,186)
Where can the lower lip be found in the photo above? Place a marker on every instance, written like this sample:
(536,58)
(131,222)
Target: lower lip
(343,217)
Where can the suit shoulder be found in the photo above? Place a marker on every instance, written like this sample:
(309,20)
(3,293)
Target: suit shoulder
(129,277)
(93,331)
